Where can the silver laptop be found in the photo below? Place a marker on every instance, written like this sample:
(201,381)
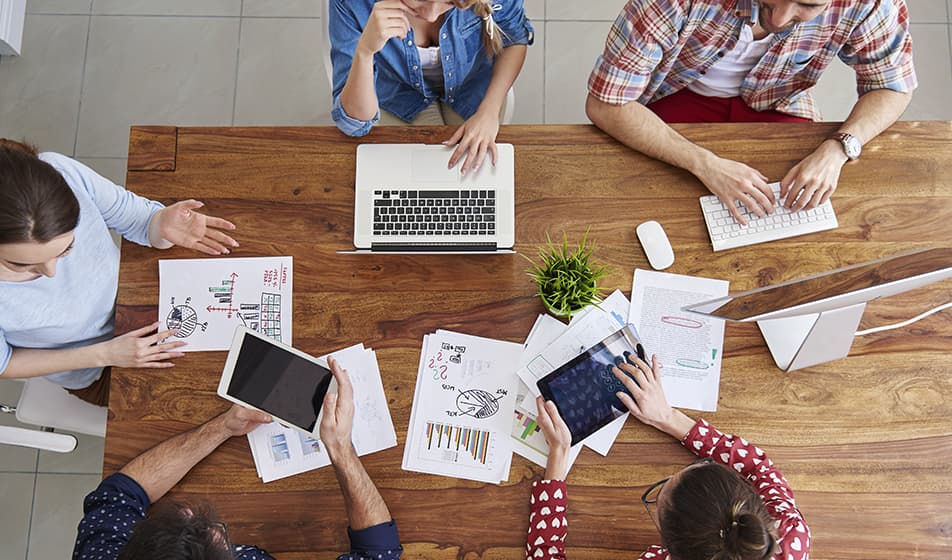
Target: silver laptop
(408,201)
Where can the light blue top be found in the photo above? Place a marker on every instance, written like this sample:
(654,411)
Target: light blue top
(398,75)
(77,306)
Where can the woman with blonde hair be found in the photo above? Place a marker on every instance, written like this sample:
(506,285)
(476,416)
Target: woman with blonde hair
(428,62)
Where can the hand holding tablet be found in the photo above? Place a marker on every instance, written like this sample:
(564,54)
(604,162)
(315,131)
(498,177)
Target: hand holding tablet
(266,375)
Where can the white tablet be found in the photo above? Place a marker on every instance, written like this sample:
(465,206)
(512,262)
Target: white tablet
(267,375)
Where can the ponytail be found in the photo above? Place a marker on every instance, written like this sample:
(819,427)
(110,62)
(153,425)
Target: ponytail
(492,33)
(713,512)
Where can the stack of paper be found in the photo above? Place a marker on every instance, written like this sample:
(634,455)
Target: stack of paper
(550,344)
(280,452)
(462,408)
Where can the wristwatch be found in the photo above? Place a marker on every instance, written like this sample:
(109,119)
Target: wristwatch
(851,145)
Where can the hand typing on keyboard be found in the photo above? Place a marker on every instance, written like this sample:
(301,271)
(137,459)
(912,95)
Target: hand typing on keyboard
(733,182)
(811,182)
(726,233)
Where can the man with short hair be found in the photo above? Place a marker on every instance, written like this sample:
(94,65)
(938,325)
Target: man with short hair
(116,526)
(743,61)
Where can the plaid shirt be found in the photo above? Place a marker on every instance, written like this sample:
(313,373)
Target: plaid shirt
(658,47)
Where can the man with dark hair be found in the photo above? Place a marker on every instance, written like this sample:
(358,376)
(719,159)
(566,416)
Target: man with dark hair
(115,525)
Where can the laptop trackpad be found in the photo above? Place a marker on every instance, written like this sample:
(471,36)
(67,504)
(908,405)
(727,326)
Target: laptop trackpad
(428,165)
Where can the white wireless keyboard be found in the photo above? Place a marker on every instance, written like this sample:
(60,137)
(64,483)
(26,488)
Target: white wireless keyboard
(726,233)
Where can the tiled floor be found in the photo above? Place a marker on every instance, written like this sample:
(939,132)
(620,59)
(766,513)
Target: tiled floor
(91,68)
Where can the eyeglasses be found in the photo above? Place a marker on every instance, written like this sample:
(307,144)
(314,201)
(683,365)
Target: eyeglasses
(650,497)
(224,533)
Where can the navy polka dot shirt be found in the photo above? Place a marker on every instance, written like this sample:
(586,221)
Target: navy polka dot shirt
(113,509)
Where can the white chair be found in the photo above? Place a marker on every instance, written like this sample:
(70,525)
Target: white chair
(508,108)
(46,404)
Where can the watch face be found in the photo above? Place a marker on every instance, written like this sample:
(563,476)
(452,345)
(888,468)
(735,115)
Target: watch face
(852,147)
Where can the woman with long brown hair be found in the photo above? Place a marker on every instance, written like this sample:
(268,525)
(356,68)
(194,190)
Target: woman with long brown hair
(59,266)
(732,503)
(428,62)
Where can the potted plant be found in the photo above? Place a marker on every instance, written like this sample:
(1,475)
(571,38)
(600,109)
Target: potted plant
(567,279)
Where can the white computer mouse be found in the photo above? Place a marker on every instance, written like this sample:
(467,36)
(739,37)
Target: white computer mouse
(656,245)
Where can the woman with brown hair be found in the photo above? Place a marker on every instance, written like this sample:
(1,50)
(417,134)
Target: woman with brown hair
(730,504)
(428,62)
(59,266)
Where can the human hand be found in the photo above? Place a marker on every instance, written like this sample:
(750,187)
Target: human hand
(181,225)
(646,401)
(239,420)
(811,182)
(473,138)
(337,421)
(558,438)
(139,349)
(734,182)
(387,20)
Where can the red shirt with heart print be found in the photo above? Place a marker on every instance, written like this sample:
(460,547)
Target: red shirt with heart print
(548,525)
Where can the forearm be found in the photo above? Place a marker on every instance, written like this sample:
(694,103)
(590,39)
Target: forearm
(637,127)
(874,112)
(36,362)
(162,467)
(364,504)
(359,96)
(506,69)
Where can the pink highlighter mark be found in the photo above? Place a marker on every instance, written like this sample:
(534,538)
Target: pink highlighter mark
(681,322)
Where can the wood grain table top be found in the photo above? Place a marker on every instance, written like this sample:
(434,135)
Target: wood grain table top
(864,441)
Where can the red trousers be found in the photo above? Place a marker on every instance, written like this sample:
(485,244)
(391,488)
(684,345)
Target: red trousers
(686,106)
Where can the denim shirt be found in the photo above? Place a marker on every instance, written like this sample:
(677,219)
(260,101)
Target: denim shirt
(398,75)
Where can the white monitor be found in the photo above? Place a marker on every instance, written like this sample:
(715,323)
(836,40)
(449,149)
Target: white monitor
(813,320)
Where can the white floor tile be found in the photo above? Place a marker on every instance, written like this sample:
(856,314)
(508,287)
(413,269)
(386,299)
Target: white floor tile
(927,11)
(835,93)
(932,57)
(529,86)
(39,90)
(57,510)
(281,8)
(16,490)
(154,70)
(602,10)
(85,459)
(113,169)
(281,76)
(14,458)
(168,7)
(570,52)
(58,6)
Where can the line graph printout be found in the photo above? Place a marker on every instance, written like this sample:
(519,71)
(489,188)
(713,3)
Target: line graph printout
(280,452)
(205,299)
(689,345)
(461,418)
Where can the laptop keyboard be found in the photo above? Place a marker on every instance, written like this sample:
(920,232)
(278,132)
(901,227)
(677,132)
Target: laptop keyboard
(435,212)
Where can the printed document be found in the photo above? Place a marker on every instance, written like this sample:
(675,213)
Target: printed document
(280,452)
(689,345)
(205,299)
(461,418)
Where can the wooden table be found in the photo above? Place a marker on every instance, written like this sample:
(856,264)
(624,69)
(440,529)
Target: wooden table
(865,441)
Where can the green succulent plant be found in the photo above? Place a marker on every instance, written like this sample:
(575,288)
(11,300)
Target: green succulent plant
(567,279)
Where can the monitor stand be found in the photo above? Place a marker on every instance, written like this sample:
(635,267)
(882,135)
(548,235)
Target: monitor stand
(807,340)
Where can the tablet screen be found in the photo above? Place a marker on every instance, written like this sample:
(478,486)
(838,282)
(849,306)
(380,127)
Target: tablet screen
(279,382)
(584,388)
